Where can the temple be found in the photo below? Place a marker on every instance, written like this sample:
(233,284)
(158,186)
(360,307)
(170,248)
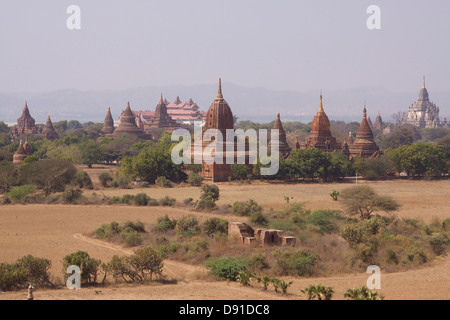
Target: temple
(108,124)
(220,118)
(25,125)
(22,152)
(49,131)
(128,125)
(161,119)
(282,143)
(423,113)
(320,136)
(378,123)
(364,146)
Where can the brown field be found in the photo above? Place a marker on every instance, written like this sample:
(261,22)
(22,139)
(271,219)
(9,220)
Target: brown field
(53,231)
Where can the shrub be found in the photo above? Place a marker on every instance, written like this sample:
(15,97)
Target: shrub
(373,225)
(130,237)
(362,293)
(416,255)
(21,193)
(335,195)
(164,224)
(210,194)
(446,224)
(239,171)
(258,261)
(187,226)
(246,208)
(11,277)
(352,234)
(89,266)
(318,292)
(163,182)
(301,262)
(259,218)
(71,195)
(226,268)
(392,256)
(284,285)
(168,201)
(213,226)
(194,179)
(141,199)
(244,278)
(438,243)
(105,179)
(324,219)
(83,180)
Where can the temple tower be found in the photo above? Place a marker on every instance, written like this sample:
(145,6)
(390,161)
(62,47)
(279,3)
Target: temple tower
(49,131)
(364,145)
(108,124)
(128,124)
(423,113)
(320,136)
(283,145)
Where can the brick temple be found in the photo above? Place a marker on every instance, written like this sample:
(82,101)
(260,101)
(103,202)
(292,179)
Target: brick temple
(364,145)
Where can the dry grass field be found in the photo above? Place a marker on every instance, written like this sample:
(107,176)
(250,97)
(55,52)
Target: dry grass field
(53,231)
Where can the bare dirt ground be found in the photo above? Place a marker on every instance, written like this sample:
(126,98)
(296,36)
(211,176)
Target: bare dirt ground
(53,231)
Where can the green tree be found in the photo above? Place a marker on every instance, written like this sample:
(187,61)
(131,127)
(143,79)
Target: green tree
(91,153)
(363,200)
(240,171)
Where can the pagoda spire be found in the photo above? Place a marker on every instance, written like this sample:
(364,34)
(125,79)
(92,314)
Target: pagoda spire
(219,93)
(423,82)
(321,103)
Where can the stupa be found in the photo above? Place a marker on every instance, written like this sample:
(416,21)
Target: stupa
(21,153)
(423,113)
(108,124)
(320,136)
(364,145)
(128,124)
(25,124)
(161,119)
(49,131)
(283,145)
(378,122)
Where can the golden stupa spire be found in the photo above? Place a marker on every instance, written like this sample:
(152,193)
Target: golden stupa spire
(321,103)
(423,83)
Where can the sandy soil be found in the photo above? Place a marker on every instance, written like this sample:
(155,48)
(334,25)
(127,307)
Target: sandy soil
(53,231)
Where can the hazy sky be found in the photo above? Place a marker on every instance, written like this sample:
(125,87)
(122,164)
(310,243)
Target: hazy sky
(285,44)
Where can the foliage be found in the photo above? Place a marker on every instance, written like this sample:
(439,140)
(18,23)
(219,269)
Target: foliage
(363,200)
(8,176)
(163,182)
(210,194)
(372,168)
(362,293)
(50,175)
(91,152)
(83,180)
(213,226)
(324,219)
(335,194)
(164,224)
(105,179)
(89,266)
(244,278)
(168,201)
(187,226)
(71,195)
(438,243)
(239,171)
(301,262)
(318,292)
(20,193)
(141,199)
(194,179)
(226,268)
(246,208)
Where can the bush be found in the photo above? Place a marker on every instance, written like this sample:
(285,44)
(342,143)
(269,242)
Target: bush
(324,219)
(21,193)
(210,194)
(141,199)
(226,268)
(362,293)
(438,243)
(130,237)
(318,292)
(259,218)
(335,195)
(301,262)
(187,226)
(239,171)
(105,179)
(194,179)
(246,208)
(168,201)
(446,224)
(24,271)
(213,226)
(89,266)
(83,180)
(163,182)
(164,224)
(352,234)
(71,195)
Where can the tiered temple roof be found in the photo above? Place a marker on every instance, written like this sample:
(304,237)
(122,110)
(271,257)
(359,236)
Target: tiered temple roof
(49,131)
(423,113)
(128,124)
(283,145)
(364,145)
(320,136)
(25,124)
(161,119)
(378,122)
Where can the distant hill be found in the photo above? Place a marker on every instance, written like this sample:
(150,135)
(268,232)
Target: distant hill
(257,104)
